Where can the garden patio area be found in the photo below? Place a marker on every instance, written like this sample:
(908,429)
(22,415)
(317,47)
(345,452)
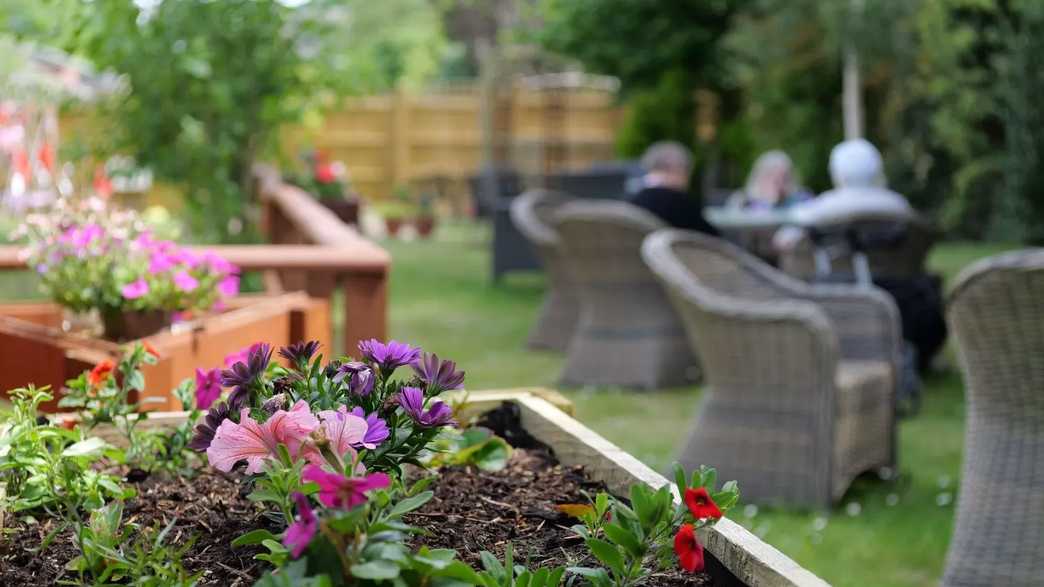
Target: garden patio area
(886,533)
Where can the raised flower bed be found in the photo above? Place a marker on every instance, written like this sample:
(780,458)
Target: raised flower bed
(48,355)
(336,483)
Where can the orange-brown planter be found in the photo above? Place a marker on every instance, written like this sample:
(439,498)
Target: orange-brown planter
(34,350)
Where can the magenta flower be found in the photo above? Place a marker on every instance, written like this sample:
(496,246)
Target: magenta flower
(229,286)
(241,355)
(438,375)
(184,281)
(389,355)
(376,429)
(208,387)
(338,491)
(160,263)
(255,442)
(299,534)
(412,401)
(135,289)
(217,263)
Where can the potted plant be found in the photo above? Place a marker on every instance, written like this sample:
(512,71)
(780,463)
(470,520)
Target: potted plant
(347,472)
(327,180)
(424,221)
(107,263)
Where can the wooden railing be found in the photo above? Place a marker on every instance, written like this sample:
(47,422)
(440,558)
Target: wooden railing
(310,250)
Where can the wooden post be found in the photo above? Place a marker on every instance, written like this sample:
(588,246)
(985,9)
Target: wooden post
(366,309)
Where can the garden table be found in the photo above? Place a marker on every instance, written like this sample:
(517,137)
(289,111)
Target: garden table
(751,229)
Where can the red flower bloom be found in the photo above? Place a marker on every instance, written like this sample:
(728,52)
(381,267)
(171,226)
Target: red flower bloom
(101,372)
(325,173)
(150,349)
(688,549)
(700,504)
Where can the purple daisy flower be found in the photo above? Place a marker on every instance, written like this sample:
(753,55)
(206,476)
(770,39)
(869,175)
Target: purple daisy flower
(438,375)
(390,355)
(299,353)
(376,429)
(205,430)
(360,377)
(412,401)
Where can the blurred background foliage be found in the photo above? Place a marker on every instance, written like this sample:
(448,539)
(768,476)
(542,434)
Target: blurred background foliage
(209,84)
(949,86)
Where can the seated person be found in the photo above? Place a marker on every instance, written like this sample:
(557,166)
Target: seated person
(859,189)
(667,166)
(770,185)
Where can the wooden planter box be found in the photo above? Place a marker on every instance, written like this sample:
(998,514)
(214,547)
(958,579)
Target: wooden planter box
(738,557)
(34,349)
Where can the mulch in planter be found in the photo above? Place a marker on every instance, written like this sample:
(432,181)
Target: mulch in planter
(210,507)
(475,510)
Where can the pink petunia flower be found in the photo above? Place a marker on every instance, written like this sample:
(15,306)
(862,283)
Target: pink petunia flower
(160,263)
(299,534)
(338,491)
(135,289)
(345,430)
(184,281)
(229,286)
(208,387)
(255,442)
(240,356)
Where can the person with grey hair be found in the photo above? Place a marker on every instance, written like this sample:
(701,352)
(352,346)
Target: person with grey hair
(665,190)
(771,185)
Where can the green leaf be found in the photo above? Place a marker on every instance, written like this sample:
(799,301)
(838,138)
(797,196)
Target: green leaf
(492,565)
(607,553)
(460,571)
(626,539)
(85,448)
(375,570)
(254,537)
(679,479)
(411,503)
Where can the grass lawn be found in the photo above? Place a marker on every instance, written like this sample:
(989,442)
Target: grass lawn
(883,533)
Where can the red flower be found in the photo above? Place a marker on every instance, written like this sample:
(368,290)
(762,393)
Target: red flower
(325,173)
(700,504)
(150,349)
(101,372)
(688,549)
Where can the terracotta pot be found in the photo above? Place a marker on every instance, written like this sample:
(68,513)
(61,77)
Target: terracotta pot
(425,225)
(393,225)
(129,325)
(346,209)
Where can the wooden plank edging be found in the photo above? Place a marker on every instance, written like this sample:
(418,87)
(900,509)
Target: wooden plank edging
(748,557)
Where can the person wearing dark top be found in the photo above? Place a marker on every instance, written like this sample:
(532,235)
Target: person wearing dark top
(668,166)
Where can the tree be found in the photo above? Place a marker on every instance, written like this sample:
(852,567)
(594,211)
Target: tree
(662,50)
(211,83)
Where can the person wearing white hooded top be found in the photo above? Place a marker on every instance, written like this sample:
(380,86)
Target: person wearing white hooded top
(859,192)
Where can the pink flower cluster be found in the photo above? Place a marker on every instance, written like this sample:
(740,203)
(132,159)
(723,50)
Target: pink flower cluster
(183,267)
(255,442)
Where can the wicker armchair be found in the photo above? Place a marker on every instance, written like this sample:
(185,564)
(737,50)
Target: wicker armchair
(628,334)
(996,311)
(894,249)
(800,379)
(532,214)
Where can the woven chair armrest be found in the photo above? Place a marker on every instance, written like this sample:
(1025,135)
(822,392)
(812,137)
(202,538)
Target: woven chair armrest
(865,319)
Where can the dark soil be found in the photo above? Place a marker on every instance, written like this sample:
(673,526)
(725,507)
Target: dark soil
(210,507)
(476,510)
